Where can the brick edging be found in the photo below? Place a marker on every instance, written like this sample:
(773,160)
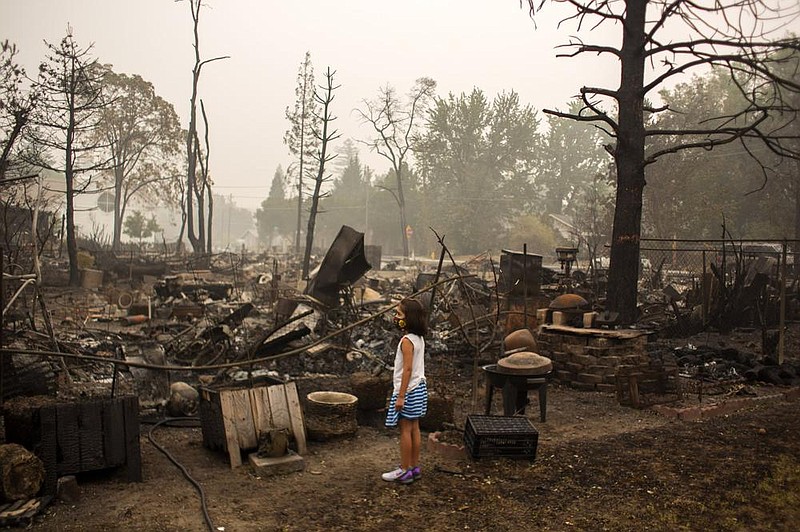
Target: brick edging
(700,412)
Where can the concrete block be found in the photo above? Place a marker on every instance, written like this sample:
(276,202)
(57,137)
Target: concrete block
(608,361)
(573,367)
(574,349)
(597,341)
(590,378)
(68,490)
(610,379)
(559,318)
(633,359)
(280,465)
(599,369)
(565,376)
(575,340)
(588,319)
(584,360)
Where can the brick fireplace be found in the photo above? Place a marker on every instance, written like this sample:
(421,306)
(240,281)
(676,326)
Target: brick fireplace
(589,358)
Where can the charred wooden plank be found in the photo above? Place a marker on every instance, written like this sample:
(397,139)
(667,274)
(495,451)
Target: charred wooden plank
(91,436)
(113,421)
(47,449)
(211,420)
(68,439)
(133,456)
(277,345)
(296,416)
(231,438)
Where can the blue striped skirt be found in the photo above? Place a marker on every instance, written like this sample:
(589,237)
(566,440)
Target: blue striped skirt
(415,407)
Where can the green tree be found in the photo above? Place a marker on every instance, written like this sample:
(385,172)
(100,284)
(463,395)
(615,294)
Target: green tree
(299,138)
(143,136)
(347,202)
(687,196)
(572,155)
(66,121)
(476,160)
(275,216)
(735,35)
(533,231)
(137,226)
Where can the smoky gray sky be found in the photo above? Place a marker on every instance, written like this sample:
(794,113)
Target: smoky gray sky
(490,44)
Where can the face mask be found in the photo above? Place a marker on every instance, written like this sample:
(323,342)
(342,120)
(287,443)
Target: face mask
(400,322)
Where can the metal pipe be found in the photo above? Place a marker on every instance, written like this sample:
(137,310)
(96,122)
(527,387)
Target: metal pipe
(525,284)
(16,295)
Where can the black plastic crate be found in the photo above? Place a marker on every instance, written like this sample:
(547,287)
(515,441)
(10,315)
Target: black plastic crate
(500,436)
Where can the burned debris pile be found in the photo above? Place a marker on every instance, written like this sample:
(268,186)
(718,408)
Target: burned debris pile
(257,354)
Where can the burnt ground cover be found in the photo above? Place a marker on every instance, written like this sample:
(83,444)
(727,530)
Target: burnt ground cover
(599,466)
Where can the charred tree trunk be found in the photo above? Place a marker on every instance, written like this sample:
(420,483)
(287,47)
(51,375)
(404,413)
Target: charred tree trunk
(69,178)
(325,137)
(196,241)
(119,212)
(629,158)
(300,175)
(402,204)
(210,217)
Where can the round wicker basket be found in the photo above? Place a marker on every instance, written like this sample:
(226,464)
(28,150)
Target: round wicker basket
(330,415)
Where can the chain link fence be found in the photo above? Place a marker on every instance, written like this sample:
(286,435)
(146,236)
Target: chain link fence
(688,285)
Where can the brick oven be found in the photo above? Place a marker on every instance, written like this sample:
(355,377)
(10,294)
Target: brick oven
(589,358)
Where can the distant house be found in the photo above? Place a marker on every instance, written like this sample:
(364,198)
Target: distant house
(249,240)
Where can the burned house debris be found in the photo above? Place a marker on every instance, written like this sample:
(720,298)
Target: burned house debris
(268,365)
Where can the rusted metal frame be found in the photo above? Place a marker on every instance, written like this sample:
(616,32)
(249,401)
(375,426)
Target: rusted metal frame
(476,344)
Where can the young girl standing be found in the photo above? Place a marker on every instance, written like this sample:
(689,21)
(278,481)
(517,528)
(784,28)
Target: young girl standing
(409,400)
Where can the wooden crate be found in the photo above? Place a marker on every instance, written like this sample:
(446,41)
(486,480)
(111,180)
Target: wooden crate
(76,437)
(232,419)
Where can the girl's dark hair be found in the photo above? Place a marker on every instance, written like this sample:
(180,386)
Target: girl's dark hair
(416,316)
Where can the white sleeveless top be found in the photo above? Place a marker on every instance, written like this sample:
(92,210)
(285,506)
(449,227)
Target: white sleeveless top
(417,365)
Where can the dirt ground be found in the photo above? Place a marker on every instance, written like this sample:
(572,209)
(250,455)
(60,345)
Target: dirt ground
(599,466)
